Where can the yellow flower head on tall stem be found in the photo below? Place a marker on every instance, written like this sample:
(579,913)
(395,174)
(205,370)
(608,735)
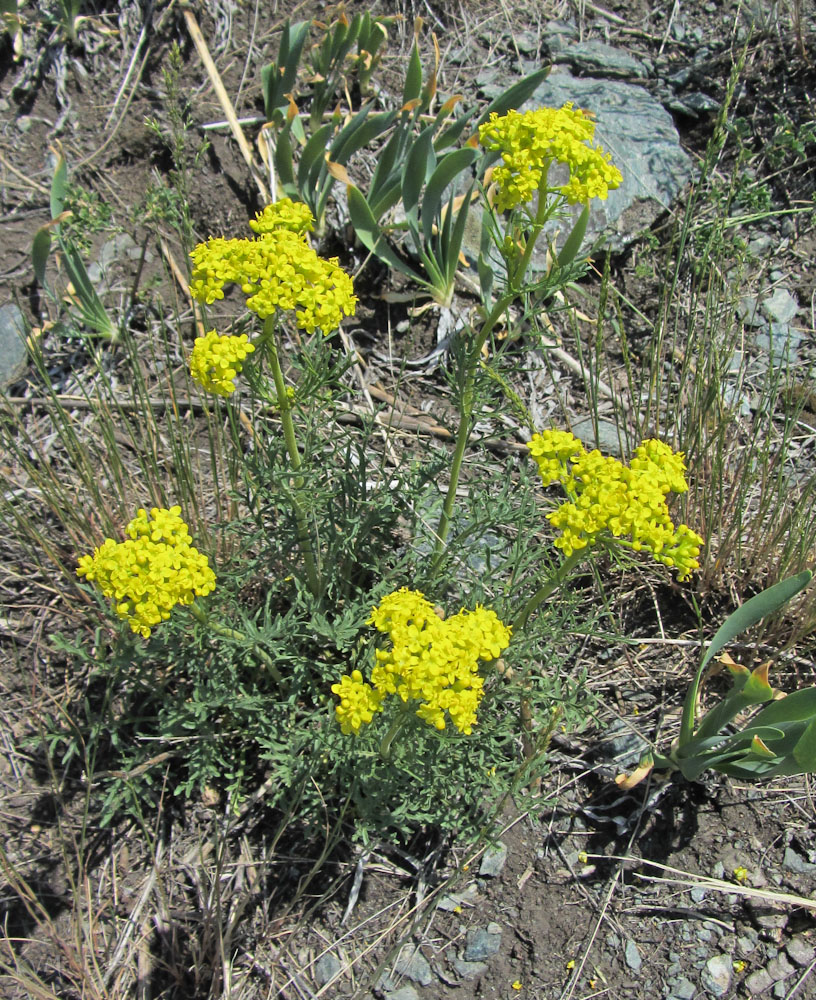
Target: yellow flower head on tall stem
(154,569)
(606,497)
(277,271)
(530,142)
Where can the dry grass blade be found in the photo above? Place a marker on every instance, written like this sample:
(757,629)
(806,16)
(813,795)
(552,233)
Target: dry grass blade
(693,880)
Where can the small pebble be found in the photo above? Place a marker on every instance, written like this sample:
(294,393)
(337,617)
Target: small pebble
(716,977)
(493,860)
(632,956)
(412,964)
(326,968)
(780,968)
(799,952)
(758,982)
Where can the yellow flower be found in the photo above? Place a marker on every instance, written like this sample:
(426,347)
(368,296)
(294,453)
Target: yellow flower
(283,214)
(626,502)
(530,142)
(277,272)
(152,571)
(431,661)
(215,361)
(358,702)
(571,964)
(516,985)
(740,874)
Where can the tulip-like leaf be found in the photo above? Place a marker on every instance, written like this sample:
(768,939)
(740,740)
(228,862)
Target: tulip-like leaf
(573,242)
(278,78)
(419,162)
(59,185)
(800,706)
(413,77)
(458,235)
(283,159)
(450,166)
(805,750)
(311,159)
(370,234)
(40,249)
(754,610)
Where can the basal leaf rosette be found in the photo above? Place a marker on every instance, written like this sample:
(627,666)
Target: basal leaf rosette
(154,569)
(277,271)
(531,141)
(432,661)
(608,498)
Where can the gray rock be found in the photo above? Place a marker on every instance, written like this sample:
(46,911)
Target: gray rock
(467,897)
(412,964)
(799,952)
(632,956)
(748,311)
(13,333)
(326,968)
(781,307)
(469,970)
(558,34)
(694,104)
(779,968)
(716,977)
(746,943)
(482,943)
(794,862)
(758,982)
(698,894)
(604,60)
(641,137)
(493,860)
(682,989)
(780,343)
(403,993)
(607,439)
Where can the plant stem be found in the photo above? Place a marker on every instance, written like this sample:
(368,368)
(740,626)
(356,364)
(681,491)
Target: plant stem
(545,208)
(555,581)
(202,618)
(388,739)
(463,433)
(285,406)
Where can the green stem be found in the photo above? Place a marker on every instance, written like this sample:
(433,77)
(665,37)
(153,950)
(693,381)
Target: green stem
(463,433)
(545,209)
(555,581)
(290,438)
(396,726)
(202,618)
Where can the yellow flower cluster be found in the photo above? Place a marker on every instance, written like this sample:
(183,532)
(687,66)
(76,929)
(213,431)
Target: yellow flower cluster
(531,141)
(153,570)
(277,271)
(628,502)
(216,360)
(431,660)
(283,214)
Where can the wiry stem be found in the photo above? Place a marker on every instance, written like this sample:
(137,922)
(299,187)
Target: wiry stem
(285,407)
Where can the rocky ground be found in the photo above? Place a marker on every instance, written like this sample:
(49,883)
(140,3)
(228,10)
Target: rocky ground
(668,891)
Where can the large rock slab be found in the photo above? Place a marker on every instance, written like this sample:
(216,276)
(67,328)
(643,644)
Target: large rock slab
(640,134)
